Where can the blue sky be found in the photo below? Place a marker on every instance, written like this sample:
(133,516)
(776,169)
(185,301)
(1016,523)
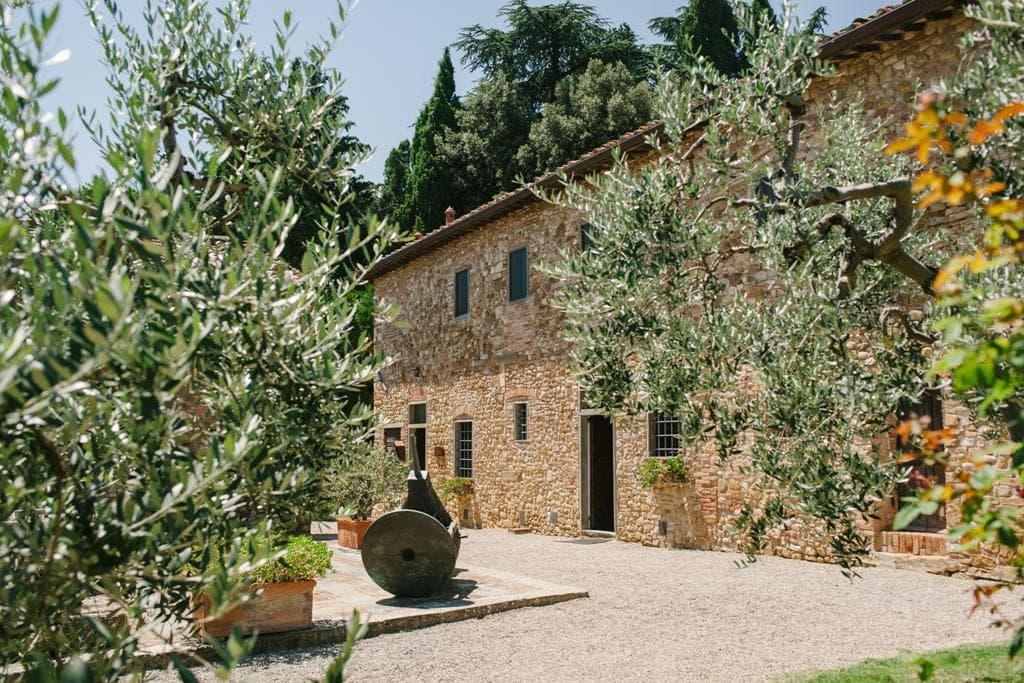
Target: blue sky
(388,54)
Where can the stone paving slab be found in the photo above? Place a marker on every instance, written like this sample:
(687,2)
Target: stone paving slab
(474,592)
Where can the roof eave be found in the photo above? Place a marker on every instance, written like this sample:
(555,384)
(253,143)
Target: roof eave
(872,29)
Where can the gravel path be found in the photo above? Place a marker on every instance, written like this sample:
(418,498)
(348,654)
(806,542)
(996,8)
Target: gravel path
(658,614)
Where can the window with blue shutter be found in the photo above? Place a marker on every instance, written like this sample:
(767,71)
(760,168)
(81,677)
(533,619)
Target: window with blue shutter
(462,293)
(517,274)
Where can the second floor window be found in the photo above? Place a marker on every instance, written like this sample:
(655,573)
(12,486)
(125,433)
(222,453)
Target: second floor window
(462,293)
(517,274)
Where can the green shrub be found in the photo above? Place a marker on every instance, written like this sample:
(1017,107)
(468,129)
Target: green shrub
(371,479)
(655,471)
(304,560)
(458,486)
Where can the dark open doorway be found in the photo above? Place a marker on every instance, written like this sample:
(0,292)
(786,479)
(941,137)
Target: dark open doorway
(599,471)
(923,474)
(418,439)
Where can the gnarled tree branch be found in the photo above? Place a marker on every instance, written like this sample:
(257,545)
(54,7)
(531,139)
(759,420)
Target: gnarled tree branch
(888,249)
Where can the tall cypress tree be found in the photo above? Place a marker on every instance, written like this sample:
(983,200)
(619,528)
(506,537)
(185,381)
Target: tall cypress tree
(429,177)
(396,181)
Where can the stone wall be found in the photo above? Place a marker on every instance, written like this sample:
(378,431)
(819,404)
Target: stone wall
(476,367)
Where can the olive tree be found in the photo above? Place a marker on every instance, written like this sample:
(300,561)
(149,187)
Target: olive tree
(754,282)
(169,386)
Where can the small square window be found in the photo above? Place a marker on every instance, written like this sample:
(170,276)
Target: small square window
(664,434)
(464,449)
(518,264)
(417,413)
(391,435)
(462,293)
(519,418)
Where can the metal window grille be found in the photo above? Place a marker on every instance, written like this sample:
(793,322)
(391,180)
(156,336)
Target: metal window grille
(519,421)
(462,293)
(665,431)
(518,284)
(464,449)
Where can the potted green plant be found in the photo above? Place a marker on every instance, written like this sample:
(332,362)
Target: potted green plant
(371,481)
(352,526)
(284,592)
(457,492)
(662,471)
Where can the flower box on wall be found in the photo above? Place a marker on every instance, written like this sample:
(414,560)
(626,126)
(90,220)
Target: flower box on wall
(661,472)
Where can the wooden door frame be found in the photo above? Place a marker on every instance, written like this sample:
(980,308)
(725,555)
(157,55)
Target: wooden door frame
(585,469)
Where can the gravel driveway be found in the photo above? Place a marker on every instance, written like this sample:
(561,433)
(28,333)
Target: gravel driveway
(658,614)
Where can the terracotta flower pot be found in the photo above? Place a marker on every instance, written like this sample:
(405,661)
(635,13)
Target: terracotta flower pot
(280,607)
(351,532)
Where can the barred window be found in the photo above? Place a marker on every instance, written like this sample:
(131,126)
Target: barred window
(664,435)
(519,427)
(464,449)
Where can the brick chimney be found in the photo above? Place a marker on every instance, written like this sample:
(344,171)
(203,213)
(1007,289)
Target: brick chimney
(449,216)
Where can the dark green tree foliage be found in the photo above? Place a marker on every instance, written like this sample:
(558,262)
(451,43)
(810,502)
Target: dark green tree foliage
(493,122)
(547,43)
(817,21)
(396,180)
(536,66)
(765,18)
(704,27)
(428,193)
(588,110)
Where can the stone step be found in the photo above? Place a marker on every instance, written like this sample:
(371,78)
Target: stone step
(594,533)
(932,564)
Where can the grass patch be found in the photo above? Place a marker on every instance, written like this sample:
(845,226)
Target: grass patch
(970,663)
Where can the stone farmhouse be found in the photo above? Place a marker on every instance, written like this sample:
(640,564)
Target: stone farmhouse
(482,384)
